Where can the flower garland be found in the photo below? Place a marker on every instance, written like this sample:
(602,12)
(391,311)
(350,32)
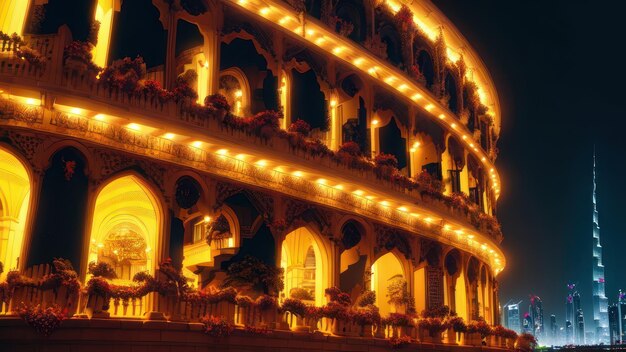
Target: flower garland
(216,326)
(44,320)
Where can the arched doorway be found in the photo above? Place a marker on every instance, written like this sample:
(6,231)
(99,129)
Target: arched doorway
(387,273)
(126,228)
(14,203)
(59,222)
(304,262)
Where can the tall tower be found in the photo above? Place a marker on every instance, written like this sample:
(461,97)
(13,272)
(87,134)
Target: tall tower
(600,302)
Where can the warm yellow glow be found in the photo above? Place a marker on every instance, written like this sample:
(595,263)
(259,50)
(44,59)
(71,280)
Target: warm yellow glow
(169,135)
(261,163)
(372,70)
(104,15)
(404,209)
(320,41)
(333,103)
(99,117)
(298,173)
(403,87)
(31,101)
(338,50)
(240,156)
(14,203)
(442,116)
(416,145)
(429,107)
(339,187)
(375,122)
(390,79)
(207,219)
(126,211)
(358,61)
(464,137)
(222,151)
(264,11)
(417,96)
(358,192)
(238,93)
(133,126)
(321,181)
(453,125)
(428,219)
(384,203)
(310,32)
(196,144)
(12,16)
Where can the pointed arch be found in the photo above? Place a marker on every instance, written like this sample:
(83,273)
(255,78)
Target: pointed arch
(127,226)
(15,198)
(297,264)
(385,269)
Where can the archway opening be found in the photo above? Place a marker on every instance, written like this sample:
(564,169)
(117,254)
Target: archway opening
(452,93)
(391,142)
(426,67)
(352,262)
(14,203)
(307,100)
(304,266)
(59,222)
(387,274)
(126,227)
(254,86)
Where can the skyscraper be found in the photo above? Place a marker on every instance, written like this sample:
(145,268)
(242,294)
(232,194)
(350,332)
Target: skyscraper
(512,317)
(553,329)
(600,302)
(536,316)
(614,323)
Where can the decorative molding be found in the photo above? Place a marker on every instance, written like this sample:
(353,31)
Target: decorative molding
(388,238)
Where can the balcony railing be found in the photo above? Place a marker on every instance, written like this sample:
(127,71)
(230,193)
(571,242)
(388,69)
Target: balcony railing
(79,86)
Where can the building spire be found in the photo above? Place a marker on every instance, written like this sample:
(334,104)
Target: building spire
(600,302)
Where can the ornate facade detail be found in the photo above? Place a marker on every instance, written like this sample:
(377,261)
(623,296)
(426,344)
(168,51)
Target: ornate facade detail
(265,41)
(263,202)
(10,110)
(112,162)
(388,238)
(28,145)
(306,212)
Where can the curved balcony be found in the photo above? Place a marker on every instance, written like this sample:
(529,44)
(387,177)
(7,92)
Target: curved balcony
(315,33)
(236,154)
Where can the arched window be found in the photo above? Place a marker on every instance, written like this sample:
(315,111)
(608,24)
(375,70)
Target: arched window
(387,278)
(234,86)
(391,142)
(426,66)
(13,15)
(14,203)
(303,261)
(452,93)
(126,227)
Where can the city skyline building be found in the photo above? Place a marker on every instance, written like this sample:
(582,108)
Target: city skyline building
(536,316)
(599,300)
(512,316)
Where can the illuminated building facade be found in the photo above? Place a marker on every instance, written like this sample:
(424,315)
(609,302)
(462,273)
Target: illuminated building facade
(600,302)
(350,145)
(536,316)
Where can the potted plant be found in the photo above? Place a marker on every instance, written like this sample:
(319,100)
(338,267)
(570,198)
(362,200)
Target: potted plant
(398,295)
(386,165)
(456,328)
(253,277)
(472,335)
(297,308)
(432,328)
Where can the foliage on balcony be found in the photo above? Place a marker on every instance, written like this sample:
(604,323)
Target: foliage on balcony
(300,127)
(404,19)
(254,275)
(216,326)
(44,320)
(77,56)
(128,76)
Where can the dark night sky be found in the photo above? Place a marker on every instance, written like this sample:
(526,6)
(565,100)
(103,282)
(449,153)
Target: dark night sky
(557,68)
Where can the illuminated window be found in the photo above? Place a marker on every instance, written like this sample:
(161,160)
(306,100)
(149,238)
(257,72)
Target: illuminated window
(14,202)
(234,86)
(199,231)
